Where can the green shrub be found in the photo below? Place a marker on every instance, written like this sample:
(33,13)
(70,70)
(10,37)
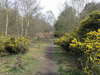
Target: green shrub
(58,34)
(90,50)
(90,23)
(12,45)
(64,41)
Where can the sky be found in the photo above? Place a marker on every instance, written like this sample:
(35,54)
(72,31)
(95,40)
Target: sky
(56,5)
(52,5)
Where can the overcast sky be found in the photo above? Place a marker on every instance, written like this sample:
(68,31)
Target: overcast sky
(53,5)
(56,5)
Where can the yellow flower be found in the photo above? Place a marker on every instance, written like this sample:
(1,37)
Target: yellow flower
(73,45)
(99,30)
(74,40)
(89,46)
(98,47)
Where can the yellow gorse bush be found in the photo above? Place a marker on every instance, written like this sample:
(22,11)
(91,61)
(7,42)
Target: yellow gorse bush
(90,49)
(23,40)
(61,39)
(14,45)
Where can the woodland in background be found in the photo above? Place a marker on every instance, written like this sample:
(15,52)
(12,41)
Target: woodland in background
(69,19)
(22,18)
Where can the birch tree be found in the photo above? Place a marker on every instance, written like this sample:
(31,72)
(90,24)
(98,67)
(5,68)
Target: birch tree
(7,19)
(29,9)
(6,5)
(16,10)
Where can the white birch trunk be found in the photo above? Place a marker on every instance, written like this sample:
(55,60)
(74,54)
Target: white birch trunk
(7,21)
(28,24)
(22,27)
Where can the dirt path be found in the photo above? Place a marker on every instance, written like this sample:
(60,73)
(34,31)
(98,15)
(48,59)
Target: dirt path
(49,67)
(52,59)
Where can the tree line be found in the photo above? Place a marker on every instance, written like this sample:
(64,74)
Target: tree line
(22,18)
(69,20)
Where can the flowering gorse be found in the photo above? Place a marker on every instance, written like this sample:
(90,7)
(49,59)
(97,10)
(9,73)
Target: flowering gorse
(90,49)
